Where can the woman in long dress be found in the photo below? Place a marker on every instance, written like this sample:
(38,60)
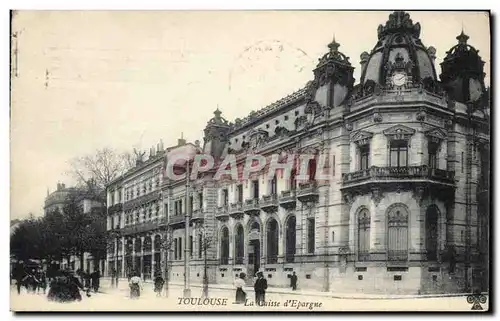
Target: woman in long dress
(135,286)
(239,284)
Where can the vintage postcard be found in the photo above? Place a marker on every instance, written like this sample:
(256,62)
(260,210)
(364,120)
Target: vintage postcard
(294,161)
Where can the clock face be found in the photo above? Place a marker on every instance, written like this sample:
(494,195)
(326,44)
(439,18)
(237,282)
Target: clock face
(399,79)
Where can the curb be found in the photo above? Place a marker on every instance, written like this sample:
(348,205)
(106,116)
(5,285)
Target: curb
(333,295)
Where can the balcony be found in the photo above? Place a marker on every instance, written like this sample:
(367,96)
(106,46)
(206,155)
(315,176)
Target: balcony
(115,208)
(236,209)
(269,203)
(363,256)
(397,255)
(222,213)
(140,227)
(288,199)
(177,219)
(238,260)
(252,206)
(307,192)
(374,174)
(197,215)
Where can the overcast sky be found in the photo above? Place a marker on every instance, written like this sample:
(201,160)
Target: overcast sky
(129,79)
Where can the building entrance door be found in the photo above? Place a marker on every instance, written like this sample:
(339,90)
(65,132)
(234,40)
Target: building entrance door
(253,258)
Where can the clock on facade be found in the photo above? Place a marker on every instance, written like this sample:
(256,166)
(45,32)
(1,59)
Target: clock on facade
(399,79)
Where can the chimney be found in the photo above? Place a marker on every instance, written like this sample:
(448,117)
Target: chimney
(58,186)
(197,143)
(161,144)
(181,141)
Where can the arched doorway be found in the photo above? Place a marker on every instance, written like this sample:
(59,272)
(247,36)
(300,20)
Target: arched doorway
(290,242)
(239,245)
(253,249)
(272,241)
(431,232)
(147,258)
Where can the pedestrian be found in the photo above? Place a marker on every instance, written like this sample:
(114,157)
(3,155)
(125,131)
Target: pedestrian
(116,278)
(113,276)
(30,281)
(135,285)
(42,281)
(95,276)
(260,288)
(239,284)
(159,281)
(19,275)
(65,287)
(293,281)
(86,279)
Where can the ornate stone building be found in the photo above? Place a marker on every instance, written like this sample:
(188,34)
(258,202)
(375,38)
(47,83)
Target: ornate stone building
(406,209)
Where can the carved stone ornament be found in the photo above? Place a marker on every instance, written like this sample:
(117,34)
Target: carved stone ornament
(281,131)
(349,199)
(348,126)
(418,195)
(421,115)
(436,135)
(301,122)
(377,195)
(399,21)
(448,124)
(312,107)
(257,139)
(361,137)
(377,117)
(399,64)
(399,132)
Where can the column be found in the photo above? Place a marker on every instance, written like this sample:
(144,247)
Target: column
(115,253)
(133,254)
(153,254)
(142,257)
(123,255)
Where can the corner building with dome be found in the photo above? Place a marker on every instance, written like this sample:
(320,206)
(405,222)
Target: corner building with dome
(407,208)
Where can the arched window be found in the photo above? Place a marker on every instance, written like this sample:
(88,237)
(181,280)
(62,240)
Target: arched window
(363,235)
(239,241)
(272,241)
(224,246)
(290,239)
(157,243)
(397,233)
(147,244)
(431,232)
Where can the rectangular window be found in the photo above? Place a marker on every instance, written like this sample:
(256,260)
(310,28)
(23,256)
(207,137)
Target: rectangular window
(364,153)
(333,237)
(255,185)
(274,185)
(240,193)
(200,198)
(462,162)
(432,149)
(399,154)
(113,198)
(180,248)
(180,206)
(200,247)
(310,235)
(190,204)
(191,246)
(175,249)
(293,181)
(225,197)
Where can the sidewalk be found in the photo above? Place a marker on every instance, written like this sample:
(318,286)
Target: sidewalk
(123,285)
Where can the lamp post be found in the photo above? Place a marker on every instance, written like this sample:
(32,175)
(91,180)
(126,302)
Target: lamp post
(206,242)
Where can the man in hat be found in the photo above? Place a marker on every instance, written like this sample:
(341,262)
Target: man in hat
(260,288)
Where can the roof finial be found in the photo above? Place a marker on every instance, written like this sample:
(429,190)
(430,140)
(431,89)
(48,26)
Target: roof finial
(462,37)
(334,45)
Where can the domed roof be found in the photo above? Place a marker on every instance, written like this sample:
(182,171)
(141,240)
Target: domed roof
(399,45)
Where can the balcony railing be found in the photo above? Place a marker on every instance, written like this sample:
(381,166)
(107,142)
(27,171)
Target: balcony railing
(238,260)
(115,208)
(406,172)
(252,206)
(140,227)
(224,261)
(177,219)
(222,212)
(397,255)
(269,203)
(273,259)
(288,199)
(235,209)
(197,215)
(307,192)
(290,258)
(363,256)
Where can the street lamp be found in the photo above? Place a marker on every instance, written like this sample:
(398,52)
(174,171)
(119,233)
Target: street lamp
(206,242)
(166,246)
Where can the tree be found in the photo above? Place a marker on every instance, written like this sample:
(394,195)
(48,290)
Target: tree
(101,167)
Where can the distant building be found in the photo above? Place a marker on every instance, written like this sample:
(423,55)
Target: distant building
(87,201)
